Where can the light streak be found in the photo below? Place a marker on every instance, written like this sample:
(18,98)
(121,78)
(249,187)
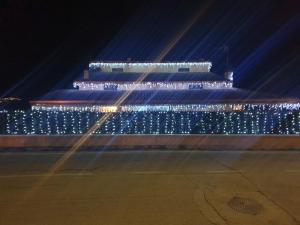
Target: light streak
(57,165)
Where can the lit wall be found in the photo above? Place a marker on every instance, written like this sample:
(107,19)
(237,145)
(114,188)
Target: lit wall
(167,67)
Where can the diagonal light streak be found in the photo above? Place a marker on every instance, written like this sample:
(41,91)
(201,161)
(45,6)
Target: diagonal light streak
(59,163)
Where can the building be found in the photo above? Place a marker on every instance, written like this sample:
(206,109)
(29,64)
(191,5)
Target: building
(156,98)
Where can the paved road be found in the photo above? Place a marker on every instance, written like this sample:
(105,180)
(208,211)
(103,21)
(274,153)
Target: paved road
(151,187)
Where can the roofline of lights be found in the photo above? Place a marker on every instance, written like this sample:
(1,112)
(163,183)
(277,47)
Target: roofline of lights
(101,63)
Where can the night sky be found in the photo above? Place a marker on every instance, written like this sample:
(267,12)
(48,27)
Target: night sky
(44,45)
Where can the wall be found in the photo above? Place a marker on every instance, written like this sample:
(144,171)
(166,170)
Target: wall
(153,67)
(204,142)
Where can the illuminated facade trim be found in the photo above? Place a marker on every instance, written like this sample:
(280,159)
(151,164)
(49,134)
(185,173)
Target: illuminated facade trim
(142,67)
(55,122)
(172,108)
(126,86)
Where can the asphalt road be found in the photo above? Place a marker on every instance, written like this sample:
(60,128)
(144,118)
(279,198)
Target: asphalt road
(150,187)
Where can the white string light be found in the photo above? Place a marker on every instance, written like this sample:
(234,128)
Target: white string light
(151,66)
(127,86)
(165,107)
(56,122)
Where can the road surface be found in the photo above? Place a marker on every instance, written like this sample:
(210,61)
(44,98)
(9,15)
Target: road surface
(150,187)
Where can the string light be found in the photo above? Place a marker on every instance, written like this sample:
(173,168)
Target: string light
(170,120)
(127,86)
(151,66)
(277,118)
(175,107)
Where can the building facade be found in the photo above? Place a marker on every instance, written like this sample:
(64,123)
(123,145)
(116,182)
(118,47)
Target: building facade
(155,98)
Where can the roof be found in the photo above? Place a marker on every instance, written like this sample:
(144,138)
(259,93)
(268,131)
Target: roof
(131,77)
(204,96)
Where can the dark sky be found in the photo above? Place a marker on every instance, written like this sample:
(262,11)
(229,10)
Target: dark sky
(46,44)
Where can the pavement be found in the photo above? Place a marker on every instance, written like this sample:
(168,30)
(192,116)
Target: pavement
(151,187)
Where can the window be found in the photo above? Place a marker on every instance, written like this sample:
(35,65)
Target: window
(195,86)
(183,69)
(110,87)
(118,69)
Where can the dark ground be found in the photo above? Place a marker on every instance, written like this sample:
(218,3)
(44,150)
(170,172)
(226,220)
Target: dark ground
(151,187)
